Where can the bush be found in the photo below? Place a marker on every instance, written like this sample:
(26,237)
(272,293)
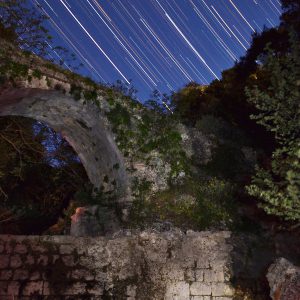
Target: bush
(198,205)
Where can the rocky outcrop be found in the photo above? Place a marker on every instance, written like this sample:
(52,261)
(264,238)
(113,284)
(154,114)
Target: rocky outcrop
(284,280)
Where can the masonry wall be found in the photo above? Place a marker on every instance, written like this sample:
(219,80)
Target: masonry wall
(145,265)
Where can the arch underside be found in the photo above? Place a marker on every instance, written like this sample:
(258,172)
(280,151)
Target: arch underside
(82,125)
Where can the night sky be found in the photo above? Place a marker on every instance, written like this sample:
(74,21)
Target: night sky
(159,44)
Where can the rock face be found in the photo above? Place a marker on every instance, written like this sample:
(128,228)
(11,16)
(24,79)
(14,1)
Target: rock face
(284,280)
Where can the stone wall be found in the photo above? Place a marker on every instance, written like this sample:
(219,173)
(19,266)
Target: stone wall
(144,265)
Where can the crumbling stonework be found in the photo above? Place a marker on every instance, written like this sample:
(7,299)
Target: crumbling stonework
(143,265)
(110,132)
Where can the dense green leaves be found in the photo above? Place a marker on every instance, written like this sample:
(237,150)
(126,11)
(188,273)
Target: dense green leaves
(278,186)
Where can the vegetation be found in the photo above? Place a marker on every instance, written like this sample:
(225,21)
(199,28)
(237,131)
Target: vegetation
(278,184)
(250,116)
(193,205)
(256,103)
(39,174)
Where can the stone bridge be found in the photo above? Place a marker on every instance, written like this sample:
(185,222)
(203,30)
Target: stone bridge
(93,118)
(121,146)
(116,138)
(82,125)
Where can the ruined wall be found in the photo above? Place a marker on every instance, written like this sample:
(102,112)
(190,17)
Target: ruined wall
(121,143)
(145,265)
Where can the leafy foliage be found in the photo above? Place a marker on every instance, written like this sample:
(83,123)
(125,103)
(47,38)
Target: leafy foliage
(199,205)
(25,26)
(278,186)
(39,173)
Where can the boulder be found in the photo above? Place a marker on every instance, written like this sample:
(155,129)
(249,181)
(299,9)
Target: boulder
(284,280)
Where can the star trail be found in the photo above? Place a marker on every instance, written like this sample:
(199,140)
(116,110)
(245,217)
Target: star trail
(158,44)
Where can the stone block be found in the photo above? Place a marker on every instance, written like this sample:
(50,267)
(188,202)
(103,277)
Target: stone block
(199,275)
(33,288)
(38,248)
(179,289)
(6,274)
(222,289)
(83,274)
(76,289)
(21,274)
(29,260)
(200,289)
(203,263)
(214,276)
(46,289)
(66,249)
(20,249)
(174,273)
(69,260)
(13,288)
(3,288)
(35,275)
(42,260)
(4,261)
(219,264)
(100,276)
(9,247)
(53,258)
(15,261)
(95,290)
(189,275)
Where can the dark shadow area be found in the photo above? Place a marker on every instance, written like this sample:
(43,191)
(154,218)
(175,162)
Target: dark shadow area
(252,255)
(40,175)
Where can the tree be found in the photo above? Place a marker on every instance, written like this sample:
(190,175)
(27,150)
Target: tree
(192,101)
(278,185)
(39,173)
(24,26)
(291,15)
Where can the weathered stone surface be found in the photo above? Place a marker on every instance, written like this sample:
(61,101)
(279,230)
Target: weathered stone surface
(21,274)
(284,280)
(4,261)
(20,249)
(15,261)
(81,125)
(93,221)
(138,266)
(222,289)
(6,274)
(178,290)
(201,289)
(33,288)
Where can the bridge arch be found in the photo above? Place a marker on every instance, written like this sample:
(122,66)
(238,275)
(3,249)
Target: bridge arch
(82,125)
